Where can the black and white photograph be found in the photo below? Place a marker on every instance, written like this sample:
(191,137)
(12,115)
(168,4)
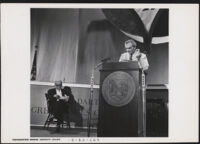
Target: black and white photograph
(99,72)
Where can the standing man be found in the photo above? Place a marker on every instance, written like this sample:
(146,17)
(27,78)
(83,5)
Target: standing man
(59,101)
(134,54)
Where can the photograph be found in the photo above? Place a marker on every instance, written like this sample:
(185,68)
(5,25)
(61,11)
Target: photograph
(99,72)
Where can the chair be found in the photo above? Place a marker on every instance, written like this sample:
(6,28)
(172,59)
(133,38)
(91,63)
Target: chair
(50,118)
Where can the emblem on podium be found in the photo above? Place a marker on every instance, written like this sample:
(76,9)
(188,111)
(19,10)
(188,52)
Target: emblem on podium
(118,88)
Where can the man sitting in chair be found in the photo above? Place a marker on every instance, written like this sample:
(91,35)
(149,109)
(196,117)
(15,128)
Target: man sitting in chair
(59,100)
(134,54)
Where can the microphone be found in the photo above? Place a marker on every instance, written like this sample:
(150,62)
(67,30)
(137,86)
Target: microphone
(102,61)
(105,59)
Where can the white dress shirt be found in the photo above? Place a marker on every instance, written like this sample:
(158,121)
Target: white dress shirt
(142,62)
(59,92)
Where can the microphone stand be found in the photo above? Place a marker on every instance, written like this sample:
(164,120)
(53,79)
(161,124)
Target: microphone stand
(90,102)
(144,104)
(91,98)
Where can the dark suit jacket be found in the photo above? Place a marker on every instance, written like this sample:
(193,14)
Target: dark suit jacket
(52,92)
(54,106)
(72,106)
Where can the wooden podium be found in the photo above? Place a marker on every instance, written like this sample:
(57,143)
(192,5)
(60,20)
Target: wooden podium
(121,101)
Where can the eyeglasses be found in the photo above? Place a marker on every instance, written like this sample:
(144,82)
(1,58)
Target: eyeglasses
(131,47)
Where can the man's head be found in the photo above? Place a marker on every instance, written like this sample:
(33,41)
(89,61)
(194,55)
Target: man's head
(130,46)
(58,85)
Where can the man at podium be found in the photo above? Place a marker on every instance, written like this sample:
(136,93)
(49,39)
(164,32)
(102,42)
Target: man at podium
(134,54)
(122,101)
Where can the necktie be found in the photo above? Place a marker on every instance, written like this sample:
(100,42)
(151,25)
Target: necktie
(130,57)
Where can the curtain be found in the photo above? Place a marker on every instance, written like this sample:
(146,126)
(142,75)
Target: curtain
(58,32)
(71,42)
(101,41)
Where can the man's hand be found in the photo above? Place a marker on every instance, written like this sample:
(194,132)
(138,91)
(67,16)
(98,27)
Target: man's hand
(56,96)
(66,98)
(138,56)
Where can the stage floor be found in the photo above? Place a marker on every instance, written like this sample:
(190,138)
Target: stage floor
(64,132)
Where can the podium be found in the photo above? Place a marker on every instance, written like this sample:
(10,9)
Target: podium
(121,100)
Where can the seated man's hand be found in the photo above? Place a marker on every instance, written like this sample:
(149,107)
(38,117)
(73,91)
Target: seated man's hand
(56,96)
(138,56)
(66,98)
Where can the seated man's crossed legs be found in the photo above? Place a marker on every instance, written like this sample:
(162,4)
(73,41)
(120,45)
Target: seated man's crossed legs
(61,109)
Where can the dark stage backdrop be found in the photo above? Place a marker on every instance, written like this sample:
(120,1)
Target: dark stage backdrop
(72,41)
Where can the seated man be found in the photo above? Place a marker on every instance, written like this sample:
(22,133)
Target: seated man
(59,101)
(133,54)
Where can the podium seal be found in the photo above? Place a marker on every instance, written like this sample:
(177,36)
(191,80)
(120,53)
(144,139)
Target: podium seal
(118,88)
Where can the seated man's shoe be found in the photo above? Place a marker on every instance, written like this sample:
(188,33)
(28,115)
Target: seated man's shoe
(51,119)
